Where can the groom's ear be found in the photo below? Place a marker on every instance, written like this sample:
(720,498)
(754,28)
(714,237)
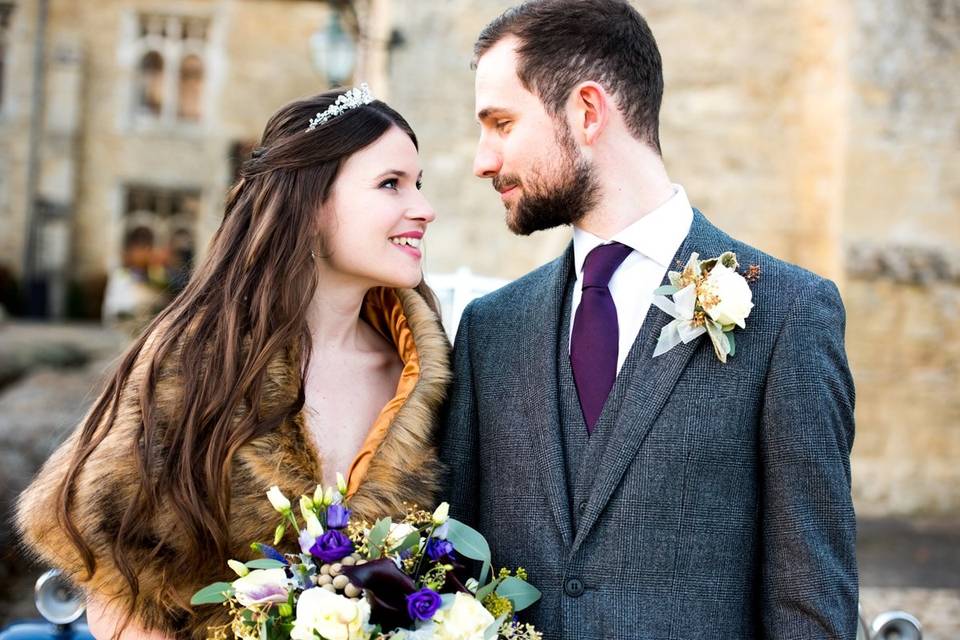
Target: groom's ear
(591,111)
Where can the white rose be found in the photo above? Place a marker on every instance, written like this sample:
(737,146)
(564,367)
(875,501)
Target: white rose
(262,586)
(332,616)
(398,533)
(465,619)
(728,298)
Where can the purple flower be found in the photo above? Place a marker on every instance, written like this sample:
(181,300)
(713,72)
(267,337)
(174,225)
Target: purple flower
(338,516)
(331,546)
(439,549)
(269,552)
(423,604)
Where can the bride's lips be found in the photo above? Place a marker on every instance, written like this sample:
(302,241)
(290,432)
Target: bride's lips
(412,251)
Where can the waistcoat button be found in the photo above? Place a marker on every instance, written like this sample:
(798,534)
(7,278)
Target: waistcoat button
(573,587)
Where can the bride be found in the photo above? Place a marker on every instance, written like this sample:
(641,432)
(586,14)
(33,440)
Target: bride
(305,344)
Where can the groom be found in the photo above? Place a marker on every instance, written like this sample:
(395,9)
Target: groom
(660,497)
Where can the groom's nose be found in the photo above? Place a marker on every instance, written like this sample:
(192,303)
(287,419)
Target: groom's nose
(487,162)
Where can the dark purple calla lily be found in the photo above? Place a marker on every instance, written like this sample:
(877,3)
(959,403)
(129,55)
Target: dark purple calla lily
(387,587)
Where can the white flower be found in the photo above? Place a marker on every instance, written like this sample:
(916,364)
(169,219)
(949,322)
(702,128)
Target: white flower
(398,533)
(328,497)
(262,586)
(306,505)
(278,500)
(341,484)
(441,514)
(238,567)
(465,619)
(728,296)
(332,616)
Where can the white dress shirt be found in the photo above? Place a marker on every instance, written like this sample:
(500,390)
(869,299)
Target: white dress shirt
(654,239)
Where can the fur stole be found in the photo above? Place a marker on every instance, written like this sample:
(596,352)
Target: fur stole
(403,469)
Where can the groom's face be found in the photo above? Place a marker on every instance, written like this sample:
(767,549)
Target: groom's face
(530,156)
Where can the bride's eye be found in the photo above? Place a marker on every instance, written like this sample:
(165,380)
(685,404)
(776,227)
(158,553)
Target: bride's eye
(419,185)
(390,183)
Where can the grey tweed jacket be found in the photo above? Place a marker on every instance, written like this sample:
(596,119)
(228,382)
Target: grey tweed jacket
(712,501)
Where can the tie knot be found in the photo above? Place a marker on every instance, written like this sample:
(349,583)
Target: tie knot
(602,262)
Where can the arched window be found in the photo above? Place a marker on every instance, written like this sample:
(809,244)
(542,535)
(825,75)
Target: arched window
(191,88)
(151,83)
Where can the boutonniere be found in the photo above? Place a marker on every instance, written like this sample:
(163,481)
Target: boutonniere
(709,296)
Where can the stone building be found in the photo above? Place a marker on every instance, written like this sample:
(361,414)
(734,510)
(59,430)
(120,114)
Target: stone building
(823,131)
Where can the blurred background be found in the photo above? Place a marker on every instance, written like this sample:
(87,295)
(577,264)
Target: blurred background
(826,132)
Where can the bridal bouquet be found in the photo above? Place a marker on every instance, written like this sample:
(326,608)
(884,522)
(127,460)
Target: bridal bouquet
(354,580)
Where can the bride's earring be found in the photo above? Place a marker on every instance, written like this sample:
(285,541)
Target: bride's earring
(312,254)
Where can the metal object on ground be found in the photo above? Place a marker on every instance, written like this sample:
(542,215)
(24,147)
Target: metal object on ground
(896,625)
(61,604)
(890,625)
(57,599)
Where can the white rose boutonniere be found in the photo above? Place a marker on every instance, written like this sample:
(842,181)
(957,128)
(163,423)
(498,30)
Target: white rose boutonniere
(709,296)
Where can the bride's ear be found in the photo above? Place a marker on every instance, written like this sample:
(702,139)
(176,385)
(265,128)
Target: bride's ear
(591,106)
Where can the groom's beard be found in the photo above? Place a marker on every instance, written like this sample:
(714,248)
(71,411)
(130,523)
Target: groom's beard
(545,204)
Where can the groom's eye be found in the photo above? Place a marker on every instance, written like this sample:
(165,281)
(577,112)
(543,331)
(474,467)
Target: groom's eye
(503,125)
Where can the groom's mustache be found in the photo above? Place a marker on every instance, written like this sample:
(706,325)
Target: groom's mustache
(503,182)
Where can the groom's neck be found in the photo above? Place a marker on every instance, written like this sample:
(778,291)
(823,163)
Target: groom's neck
(633,182)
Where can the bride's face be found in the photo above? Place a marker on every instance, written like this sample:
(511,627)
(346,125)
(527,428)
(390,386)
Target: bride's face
(376,217)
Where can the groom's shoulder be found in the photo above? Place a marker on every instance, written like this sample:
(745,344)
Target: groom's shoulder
(515,297)
(777,282)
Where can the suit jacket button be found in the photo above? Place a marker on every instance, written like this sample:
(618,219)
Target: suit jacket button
(573,588)
(582,507)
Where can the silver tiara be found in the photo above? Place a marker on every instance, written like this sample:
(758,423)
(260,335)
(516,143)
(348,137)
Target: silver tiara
(345,101)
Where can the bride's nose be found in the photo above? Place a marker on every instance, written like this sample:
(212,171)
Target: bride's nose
(421,210)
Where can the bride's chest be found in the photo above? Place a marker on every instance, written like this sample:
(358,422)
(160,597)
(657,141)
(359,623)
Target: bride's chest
(341,403)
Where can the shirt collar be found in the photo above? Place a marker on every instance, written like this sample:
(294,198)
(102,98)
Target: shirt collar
(657,235)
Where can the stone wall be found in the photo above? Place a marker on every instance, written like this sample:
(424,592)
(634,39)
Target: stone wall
(902,237)
(823,132)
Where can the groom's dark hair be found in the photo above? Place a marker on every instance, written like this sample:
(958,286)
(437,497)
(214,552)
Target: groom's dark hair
(565,42)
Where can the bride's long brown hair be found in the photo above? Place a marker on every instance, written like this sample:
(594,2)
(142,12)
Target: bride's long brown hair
(246,303)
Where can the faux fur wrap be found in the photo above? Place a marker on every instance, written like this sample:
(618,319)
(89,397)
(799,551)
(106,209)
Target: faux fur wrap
(404,469)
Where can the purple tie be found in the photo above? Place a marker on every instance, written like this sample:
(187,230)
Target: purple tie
(595,337)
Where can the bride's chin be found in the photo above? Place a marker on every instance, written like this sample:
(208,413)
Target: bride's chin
(401,280)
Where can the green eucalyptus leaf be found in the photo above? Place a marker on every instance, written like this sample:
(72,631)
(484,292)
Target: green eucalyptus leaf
(411,541)
(213,593)
(733,343)
(485,571)
(666,290)
(493,631)
(486,590)
(468,541)
(379,531)
(520,592)
(265,563)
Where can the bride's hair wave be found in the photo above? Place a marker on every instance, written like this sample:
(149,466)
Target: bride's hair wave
(246,303)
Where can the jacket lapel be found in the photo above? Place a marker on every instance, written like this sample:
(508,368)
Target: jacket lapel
(651,383)
(538,380)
